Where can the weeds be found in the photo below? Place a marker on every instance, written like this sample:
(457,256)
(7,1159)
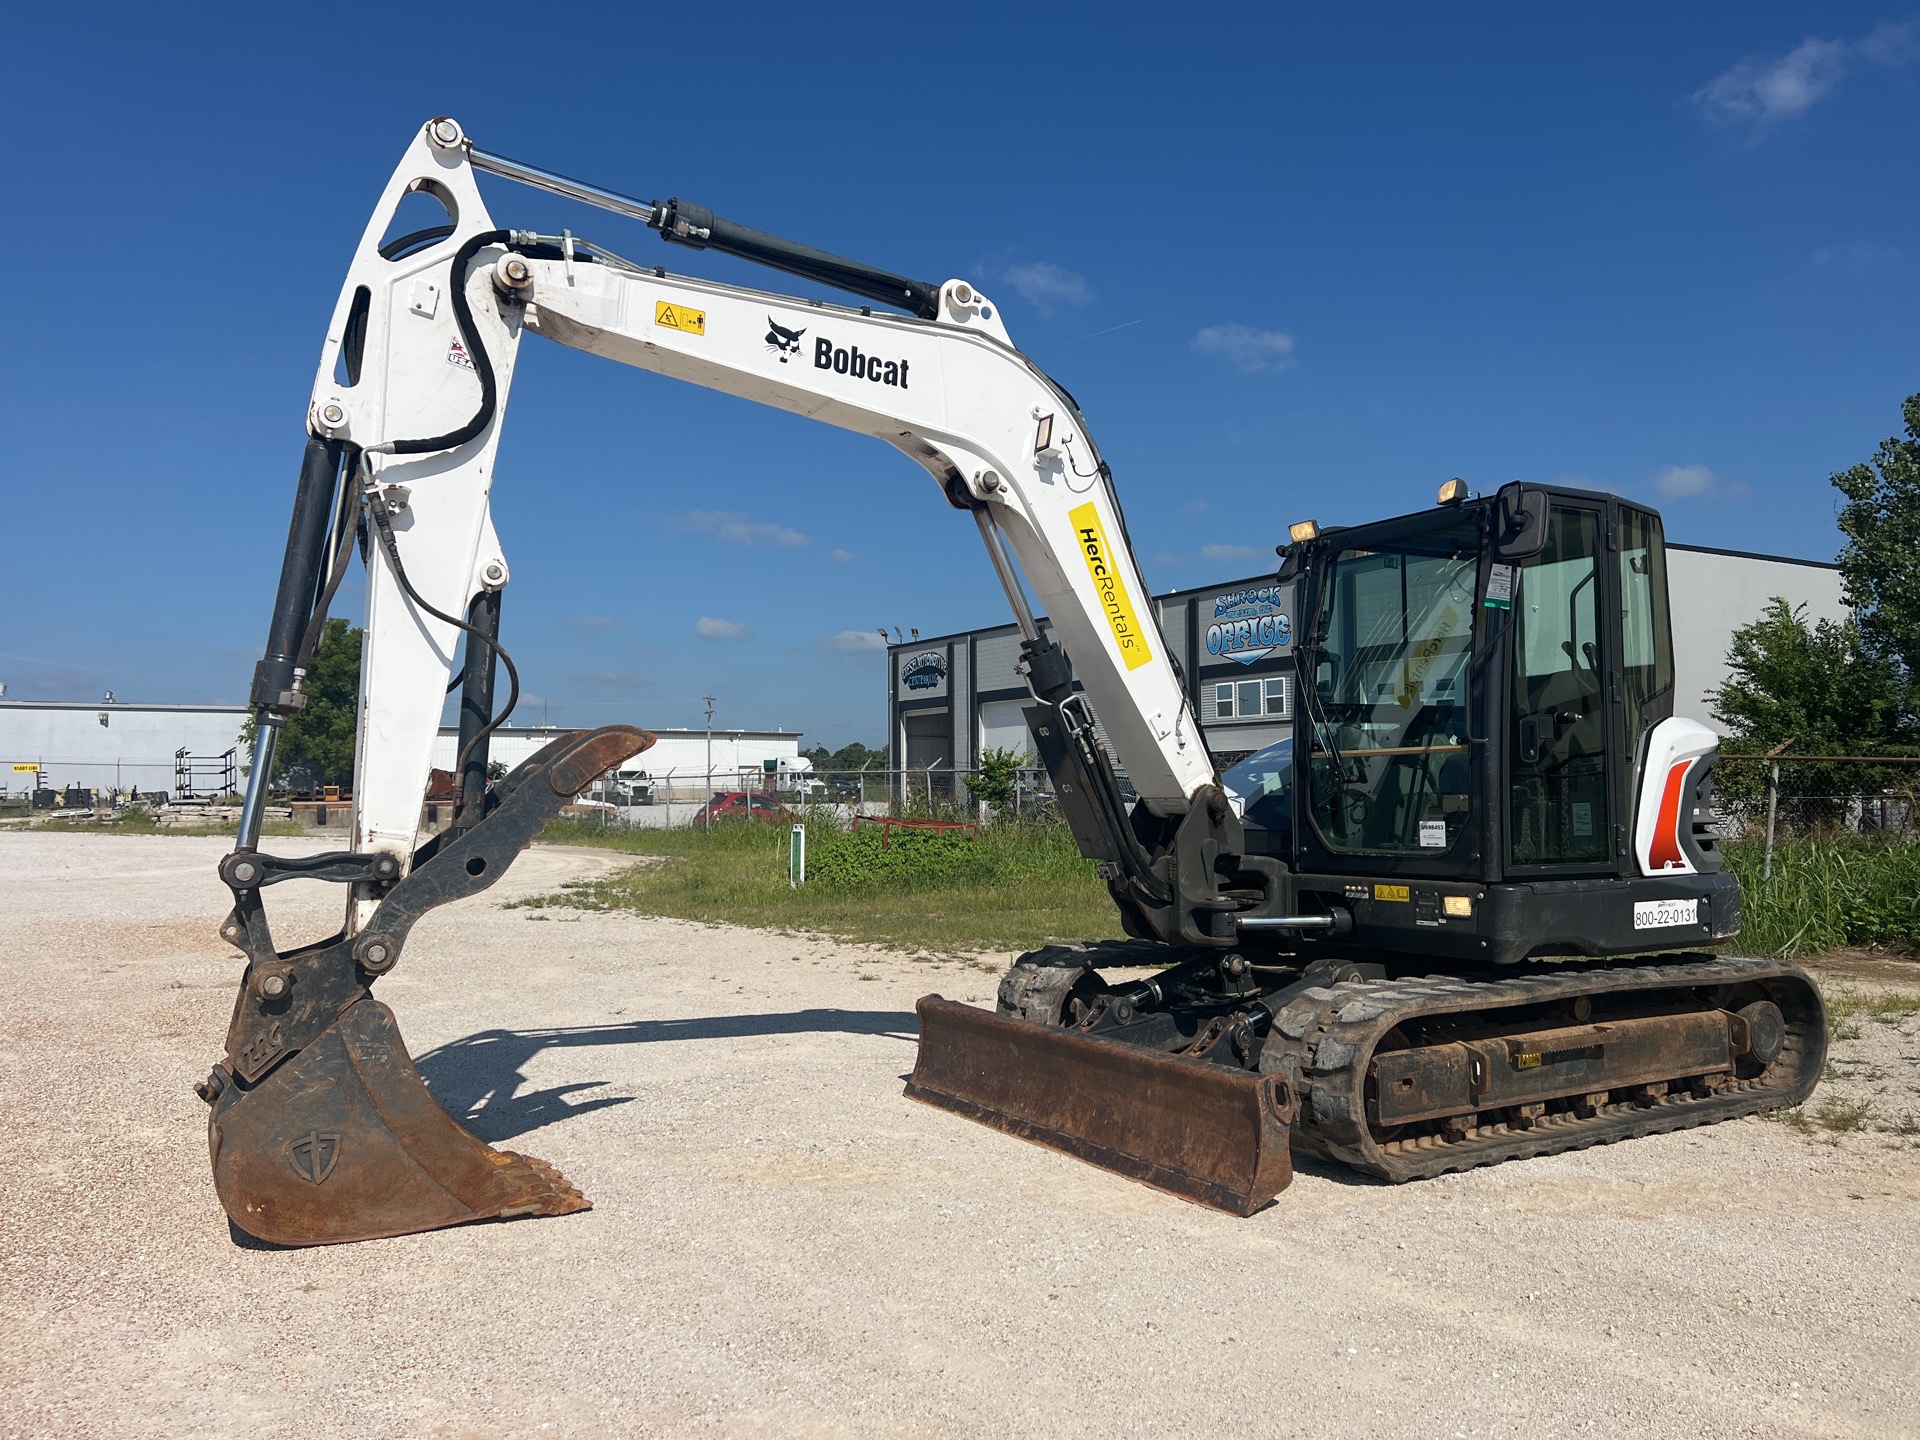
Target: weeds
(1828,891)
(1844,1116)
(1014,888)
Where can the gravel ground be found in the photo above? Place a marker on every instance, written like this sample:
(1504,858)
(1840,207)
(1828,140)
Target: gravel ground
(783,1245)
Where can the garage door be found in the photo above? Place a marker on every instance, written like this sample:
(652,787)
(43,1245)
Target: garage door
(1004,727)
(928,740)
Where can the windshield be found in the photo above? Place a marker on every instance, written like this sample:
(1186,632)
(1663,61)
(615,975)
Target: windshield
(1389,763)
(1263,785)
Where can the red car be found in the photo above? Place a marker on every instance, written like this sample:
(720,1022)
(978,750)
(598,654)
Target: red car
(741,805)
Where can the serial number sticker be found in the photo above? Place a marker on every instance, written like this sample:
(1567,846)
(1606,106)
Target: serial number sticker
(1433,834)
(1391,892)
(1665,914)
(680,317)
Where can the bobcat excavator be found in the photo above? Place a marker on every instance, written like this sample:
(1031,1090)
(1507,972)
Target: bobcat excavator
(1407,956)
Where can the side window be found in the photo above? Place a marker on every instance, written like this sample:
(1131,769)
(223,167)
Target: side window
(1557,741)
(1223,701)
(1646,658)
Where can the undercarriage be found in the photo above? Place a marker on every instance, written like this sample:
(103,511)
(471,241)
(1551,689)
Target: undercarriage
(1400,1074)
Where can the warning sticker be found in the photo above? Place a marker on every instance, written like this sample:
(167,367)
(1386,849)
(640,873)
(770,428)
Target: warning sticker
(1391,892)
(1115,603)
(1499,588)
(680,317)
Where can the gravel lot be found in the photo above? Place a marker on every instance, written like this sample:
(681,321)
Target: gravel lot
(783,1245)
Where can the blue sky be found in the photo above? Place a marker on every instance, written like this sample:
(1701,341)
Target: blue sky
(1292,261)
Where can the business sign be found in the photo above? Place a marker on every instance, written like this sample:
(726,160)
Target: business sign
(925,671)
(1249,625)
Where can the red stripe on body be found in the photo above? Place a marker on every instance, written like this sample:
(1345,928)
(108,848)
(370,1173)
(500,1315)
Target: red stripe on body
(1665,850)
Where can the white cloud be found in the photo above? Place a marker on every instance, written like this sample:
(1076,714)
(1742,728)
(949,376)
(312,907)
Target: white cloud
(738,529)
(591,622)
(1246,349)
(708,628)
(1855,254)
(1195,506)
(624,679)
(845,557)
(1229,554)
(1694,482)
(1044,286)
(1759,92)
(853,646)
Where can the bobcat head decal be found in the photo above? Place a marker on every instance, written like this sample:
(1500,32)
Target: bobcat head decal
(782,341)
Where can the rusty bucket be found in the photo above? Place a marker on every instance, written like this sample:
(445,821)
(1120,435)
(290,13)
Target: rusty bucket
(1203,1131)
(344,1142)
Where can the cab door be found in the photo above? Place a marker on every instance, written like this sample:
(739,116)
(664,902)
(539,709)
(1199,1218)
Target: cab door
(1560,789)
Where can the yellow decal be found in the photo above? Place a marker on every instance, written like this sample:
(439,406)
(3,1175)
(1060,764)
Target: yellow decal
(1413,670)
(1527,1060)
(1115,603)
(1391,892)
(29,768)
(680,317)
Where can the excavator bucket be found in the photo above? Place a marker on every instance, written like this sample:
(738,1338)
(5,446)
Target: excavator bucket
(344,1142)
(1203,1131)
(322,1130)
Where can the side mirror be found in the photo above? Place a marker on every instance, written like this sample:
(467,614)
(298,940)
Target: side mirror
(1520,524)
(1293,559)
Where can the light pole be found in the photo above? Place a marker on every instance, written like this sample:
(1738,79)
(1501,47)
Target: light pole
(707,810)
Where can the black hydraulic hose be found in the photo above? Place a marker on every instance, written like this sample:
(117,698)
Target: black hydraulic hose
(383,528)
(399,249)
(476,352)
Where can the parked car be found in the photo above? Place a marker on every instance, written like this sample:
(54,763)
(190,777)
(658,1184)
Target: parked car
(742,805)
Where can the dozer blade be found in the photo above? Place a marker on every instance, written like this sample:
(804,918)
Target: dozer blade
(343,1142)
(1199,1130)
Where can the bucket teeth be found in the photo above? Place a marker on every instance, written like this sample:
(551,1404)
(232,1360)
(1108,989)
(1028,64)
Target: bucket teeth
(344,1142)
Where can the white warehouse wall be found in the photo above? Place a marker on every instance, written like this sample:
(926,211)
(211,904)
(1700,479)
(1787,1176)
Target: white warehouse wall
(1714,593)
(133,749)
(681,754)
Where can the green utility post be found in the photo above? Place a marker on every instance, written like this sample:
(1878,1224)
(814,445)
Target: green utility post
(797,857)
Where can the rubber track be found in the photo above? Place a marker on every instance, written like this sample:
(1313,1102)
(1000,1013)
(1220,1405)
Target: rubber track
(1327,1035)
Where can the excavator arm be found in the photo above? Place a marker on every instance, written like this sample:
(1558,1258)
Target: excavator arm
(403,430)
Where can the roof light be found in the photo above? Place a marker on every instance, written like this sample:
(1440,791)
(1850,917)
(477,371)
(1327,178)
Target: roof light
(1453,492)
(1302,531)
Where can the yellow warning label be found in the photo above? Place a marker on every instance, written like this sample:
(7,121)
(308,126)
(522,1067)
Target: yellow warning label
(1392,892)
(29,768)
(1527,1060)
(680,317)
(1115,603)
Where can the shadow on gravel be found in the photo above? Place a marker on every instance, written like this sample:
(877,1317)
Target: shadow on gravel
(478,1078)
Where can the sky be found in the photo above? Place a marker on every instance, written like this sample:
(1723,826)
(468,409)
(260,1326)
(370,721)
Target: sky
(1293,261)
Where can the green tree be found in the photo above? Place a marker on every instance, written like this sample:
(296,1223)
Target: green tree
(317,743)
(1819,687)
(1881,560)
(999,773)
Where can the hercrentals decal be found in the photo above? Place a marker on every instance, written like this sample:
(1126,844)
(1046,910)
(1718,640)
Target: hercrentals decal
(1128,633)
(849,360)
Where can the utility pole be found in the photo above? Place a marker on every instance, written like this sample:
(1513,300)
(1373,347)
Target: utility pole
(707,809)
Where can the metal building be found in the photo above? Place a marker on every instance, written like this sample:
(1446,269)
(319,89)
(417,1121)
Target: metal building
(954,696)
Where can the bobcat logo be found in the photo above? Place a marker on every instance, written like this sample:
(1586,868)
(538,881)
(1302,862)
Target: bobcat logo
(782,341)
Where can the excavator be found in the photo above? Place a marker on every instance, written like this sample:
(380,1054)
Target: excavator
(1469,917)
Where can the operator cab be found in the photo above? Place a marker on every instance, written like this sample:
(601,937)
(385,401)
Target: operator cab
(1477,684)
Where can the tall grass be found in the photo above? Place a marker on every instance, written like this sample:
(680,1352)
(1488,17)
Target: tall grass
(1827,892)
(1020,886)
(1014,888)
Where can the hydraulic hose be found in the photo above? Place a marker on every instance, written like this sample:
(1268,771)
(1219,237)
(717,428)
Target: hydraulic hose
(482,366)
